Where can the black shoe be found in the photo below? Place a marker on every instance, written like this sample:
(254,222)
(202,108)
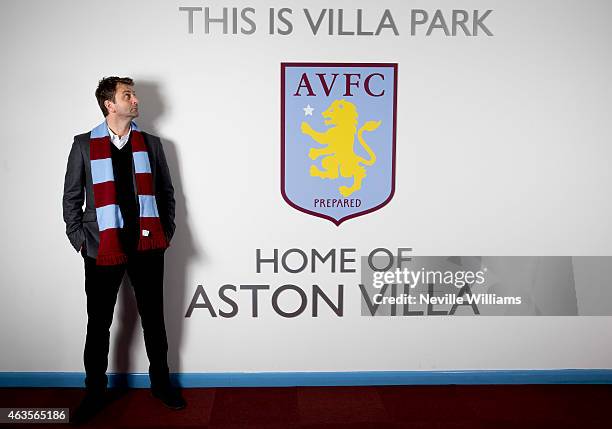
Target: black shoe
(92,404)
(170,396)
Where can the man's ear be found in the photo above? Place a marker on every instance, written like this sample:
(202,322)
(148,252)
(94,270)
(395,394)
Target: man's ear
(109,106)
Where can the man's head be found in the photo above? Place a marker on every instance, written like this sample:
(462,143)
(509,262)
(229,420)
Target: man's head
(116,96)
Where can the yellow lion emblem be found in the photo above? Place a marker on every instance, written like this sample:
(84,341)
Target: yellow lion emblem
(339,140)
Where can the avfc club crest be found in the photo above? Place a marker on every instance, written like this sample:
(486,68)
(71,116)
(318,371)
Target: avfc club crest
(338,125)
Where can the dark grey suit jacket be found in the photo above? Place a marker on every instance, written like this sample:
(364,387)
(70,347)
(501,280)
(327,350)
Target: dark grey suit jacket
(82,227)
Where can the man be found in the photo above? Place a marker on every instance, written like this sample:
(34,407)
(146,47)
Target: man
(122,176)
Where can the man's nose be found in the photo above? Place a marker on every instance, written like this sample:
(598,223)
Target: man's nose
(134,100)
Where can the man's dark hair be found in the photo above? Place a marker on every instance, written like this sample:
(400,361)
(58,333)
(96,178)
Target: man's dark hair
(107,88)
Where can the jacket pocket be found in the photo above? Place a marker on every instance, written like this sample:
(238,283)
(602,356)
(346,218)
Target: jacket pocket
(89,216)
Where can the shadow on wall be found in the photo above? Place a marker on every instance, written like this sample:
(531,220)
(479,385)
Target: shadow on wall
(182,250)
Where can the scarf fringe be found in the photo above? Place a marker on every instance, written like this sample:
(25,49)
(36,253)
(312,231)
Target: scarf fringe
(116,259)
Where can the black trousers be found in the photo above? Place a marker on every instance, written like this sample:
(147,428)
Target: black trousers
(146,273)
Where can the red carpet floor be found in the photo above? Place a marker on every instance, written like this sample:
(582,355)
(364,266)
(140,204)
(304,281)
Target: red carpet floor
(452,407)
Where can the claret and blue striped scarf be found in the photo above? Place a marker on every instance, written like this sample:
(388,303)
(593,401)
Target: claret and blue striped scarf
(110,251)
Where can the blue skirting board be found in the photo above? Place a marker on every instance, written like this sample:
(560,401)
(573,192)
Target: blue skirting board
(353,378)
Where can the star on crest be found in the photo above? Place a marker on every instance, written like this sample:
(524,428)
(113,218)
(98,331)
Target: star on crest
(308,110)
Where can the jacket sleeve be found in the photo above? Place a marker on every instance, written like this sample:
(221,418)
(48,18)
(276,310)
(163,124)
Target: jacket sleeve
(165,193)
(74,197)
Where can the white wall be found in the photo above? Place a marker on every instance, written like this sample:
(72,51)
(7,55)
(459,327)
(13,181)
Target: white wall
(503,149)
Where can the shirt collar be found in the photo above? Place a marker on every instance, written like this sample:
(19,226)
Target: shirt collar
(119,141)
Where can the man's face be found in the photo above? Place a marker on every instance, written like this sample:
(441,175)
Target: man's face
(125,104)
